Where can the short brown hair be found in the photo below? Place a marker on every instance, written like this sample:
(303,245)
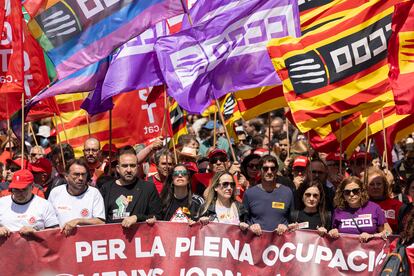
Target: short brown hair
(339,200)
(372,171)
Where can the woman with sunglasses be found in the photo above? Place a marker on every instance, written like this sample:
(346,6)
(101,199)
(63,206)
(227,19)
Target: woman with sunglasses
(178,203)
(355,214)
(312,213)
(221,205)
(251,169)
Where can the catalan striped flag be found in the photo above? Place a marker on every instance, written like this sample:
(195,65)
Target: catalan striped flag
(401,57)
(75,34)
(254,102)
(338,69)
(178,121)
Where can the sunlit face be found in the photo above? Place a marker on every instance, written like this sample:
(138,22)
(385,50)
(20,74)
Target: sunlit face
(91,151)
(225,187)
(128,167)
(269,171)
(76,179)
(165,165)
(376,187)
(352,195)
(311,197)
(180,176)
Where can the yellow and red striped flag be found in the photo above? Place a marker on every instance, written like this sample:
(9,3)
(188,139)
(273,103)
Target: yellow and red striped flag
(178,122)
(338,69)
(401,57)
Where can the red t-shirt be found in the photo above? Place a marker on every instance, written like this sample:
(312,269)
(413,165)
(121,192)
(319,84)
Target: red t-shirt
(391,208)
(158,184)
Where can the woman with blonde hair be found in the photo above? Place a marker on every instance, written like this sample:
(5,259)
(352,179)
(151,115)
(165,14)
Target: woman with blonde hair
(379,192)
(221,205)
(355,214)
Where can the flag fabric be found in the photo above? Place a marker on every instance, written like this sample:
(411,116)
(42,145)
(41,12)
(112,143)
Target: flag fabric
(401,57)
(137,54)
(76,34)
(226,52)
(177,121)
(231,113)
(338,69)
(254,102)
(11,49)
(133,120)
(315,14)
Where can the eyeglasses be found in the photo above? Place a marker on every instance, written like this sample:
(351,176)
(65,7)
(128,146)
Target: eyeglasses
(355,191)
(222,159)
(181,172)
(265,169)
(225,185)
(91,150)
(78,175)
(311,195)
(253,166)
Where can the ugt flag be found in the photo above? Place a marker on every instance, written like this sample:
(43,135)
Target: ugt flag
(76,34)
(225,51)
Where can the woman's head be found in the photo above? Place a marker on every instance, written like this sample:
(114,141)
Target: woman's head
(377,186)
(351,193)
(250,166)
(180,176)
(222,187)
(311,195)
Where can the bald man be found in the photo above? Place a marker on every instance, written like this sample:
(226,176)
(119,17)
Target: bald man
(92,155)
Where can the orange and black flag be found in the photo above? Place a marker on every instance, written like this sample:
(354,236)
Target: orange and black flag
(401,57)
(338,69)
(178,121)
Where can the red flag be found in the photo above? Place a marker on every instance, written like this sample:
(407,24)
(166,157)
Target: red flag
(401,57)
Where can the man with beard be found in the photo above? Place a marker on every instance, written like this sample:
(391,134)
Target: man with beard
(92,155)
(164,162)
(130,199)
(77,203)
(268,203)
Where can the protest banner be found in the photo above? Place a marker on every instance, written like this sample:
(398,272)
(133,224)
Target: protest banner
(177,249)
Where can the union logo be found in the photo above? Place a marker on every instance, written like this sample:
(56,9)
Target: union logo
(84,212)
(32,220)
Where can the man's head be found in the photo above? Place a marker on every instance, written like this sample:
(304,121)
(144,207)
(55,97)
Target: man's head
(91,151)
(268,166)
(319,171)
(218,160)
(13,165)
(36,153)
(21,186)
(299,166)
(56,156)
(253,126)
(164,162)
(41,170)
(77,176)
(276,125)
(127,167)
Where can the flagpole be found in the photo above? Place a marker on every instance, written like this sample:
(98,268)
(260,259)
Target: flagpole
(269,138)
(110,141)
(340,145)
(366,153)
(172,138)
(215,128)
(225,130)
(63,126)
(22,164)
(384,160)
(33,134)
(60,144)
(287,136)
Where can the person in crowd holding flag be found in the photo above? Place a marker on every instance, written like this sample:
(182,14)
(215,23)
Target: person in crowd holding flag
(221,142)
(77,203)
(379,192)
(23,211)
(92,155)
(221,204)
(333,161)
(178,203)
(355,214)
(269,203)
(130,199)
(164,162)
(276,127)
(311,213)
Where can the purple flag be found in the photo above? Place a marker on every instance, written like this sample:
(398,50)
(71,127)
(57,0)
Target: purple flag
(226,52)
(134,65)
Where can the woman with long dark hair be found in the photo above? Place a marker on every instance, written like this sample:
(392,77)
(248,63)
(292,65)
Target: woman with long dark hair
(178,203)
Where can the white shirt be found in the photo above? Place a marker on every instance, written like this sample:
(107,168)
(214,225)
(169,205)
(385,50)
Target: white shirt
(37,213)
(89,204)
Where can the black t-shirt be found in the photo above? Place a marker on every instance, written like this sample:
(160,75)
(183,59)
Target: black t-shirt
(314,219)
(174,205)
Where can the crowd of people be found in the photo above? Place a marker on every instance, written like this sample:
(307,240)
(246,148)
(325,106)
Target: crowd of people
(268,179)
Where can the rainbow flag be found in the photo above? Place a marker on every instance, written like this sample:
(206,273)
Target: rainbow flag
(338,69)
(75,34)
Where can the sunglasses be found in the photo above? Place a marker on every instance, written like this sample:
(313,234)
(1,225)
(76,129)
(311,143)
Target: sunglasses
(311,195)
(178,173)
(222,159)
(265,169)
(253,166)
(355,191)
(225,185)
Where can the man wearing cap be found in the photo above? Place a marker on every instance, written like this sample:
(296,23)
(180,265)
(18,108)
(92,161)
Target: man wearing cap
(333,161)
(299,167)
(130,199)
(42,171)
(77,203)
(268,203)
(22,211)
(221,141)
(357,162)
(92,155)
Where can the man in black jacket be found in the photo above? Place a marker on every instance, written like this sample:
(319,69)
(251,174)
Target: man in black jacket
(130,199)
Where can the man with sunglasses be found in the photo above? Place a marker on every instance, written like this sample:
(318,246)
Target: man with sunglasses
(268,203)
(23,211)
